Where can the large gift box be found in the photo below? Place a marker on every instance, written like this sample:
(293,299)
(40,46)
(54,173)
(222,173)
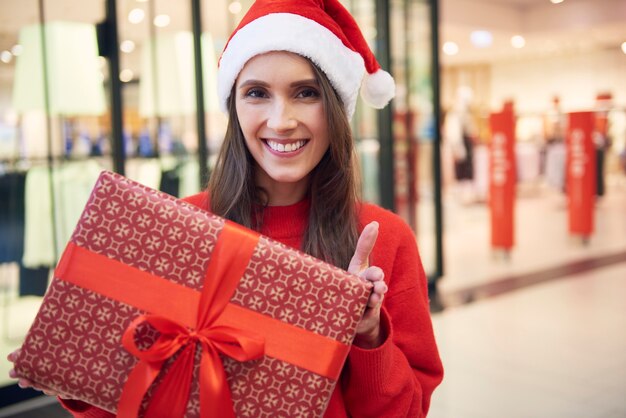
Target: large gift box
(159,308)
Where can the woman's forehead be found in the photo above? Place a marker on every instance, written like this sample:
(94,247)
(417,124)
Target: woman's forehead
(276,65)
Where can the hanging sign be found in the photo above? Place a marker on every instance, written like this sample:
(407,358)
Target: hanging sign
(502,178)
(581,173)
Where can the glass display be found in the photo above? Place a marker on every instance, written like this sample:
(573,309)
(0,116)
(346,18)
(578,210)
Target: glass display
(54,142)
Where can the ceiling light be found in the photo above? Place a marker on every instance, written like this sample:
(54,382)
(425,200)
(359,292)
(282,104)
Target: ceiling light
(234,7)
(136,16)
(17,49)
(518,41)
(6,56)
(450,48)
(481,38)
(126,75)
(162,21)
(556,1)
(127,46)
(624,47)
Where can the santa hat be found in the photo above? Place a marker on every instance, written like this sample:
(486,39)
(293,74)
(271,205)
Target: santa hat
(320,30)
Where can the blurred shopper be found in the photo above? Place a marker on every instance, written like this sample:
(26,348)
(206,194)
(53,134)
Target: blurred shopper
(459,132)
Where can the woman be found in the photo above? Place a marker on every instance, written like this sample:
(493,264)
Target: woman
(286,169)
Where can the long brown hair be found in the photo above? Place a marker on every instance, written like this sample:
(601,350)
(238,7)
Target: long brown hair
(332,230)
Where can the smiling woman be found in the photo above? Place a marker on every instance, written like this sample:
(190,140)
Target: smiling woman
(287,170)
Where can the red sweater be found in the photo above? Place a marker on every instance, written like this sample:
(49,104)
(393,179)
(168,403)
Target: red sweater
(395,379)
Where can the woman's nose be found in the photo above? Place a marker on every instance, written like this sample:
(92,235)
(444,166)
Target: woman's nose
(281,117)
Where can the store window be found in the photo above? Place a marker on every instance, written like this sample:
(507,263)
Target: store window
(414,131)
(54,141)
(364,122)
(158,95)
(413,125)
(219,19)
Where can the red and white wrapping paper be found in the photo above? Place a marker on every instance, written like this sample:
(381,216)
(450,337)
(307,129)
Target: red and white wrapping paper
(74,345)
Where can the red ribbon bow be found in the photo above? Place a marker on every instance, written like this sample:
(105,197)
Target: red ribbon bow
(229,260)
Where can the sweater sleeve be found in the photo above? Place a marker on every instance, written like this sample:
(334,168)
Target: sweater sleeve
(397,378)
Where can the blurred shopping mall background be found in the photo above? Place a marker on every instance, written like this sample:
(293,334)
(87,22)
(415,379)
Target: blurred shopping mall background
(533,328)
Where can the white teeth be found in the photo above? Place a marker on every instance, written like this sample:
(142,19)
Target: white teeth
(294,146)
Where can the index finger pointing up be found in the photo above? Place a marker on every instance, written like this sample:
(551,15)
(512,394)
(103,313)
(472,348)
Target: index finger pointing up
(364,246)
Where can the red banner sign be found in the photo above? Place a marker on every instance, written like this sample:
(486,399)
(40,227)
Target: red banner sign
(581,172)
(502,178)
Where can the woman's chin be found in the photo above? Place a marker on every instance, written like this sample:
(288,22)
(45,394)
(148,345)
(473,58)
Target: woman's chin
(287,179)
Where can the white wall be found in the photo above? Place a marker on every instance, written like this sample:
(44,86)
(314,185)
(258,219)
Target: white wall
(575,79)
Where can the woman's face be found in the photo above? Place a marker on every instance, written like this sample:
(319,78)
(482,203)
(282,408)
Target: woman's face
(281,113)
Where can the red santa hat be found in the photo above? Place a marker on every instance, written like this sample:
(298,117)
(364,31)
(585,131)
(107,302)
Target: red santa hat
(320,30)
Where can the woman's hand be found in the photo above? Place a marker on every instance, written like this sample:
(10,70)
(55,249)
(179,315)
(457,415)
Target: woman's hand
(368,333)
(25,383)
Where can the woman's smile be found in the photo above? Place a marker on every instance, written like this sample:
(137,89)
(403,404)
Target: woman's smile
(285,148)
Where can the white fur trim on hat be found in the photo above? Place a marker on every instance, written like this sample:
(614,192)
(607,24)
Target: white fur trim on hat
(378,89)
(294,33)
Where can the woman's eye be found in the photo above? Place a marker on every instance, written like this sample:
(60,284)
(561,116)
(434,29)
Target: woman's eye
(255,93)
(308,93)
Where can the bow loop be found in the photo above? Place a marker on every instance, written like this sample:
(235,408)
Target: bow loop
(172,337)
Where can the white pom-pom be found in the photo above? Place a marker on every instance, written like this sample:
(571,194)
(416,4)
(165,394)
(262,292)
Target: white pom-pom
(378,89)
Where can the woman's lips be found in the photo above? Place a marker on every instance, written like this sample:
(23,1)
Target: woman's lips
(284,148)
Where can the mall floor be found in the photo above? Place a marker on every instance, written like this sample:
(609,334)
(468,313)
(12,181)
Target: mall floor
(539,332)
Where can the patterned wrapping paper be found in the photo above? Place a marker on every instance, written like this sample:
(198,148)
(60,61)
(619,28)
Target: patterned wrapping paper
(74,346)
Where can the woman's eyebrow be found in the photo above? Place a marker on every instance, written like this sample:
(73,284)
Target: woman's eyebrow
(308,82)
(252,82)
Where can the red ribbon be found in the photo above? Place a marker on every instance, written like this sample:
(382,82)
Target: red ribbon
(147,292)
(229,260)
